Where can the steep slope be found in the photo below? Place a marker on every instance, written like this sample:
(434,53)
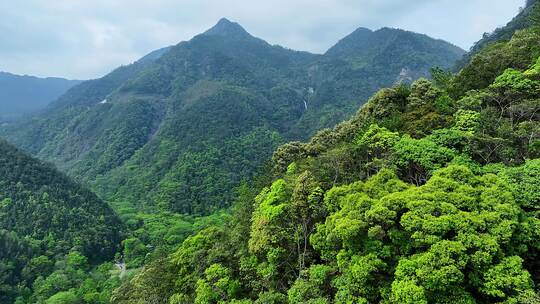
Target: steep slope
(363,62)
(33,133)
(505,33)
(426,195)
(371,49)
(23,94)
(179,133)
(40,202)
(43,215)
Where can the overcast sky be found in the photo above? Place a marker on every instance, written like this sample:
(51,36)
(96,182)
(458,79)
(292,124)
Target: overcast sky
(85,39)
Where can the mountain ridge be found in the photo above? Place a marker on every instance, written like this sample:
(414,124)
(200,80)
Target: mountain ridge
(225,27)
(37,77)
(199,101)
(426,195)
(23,94)
(501,34)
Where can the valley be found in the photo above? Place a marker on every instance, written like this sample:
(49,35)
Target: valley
(392,168)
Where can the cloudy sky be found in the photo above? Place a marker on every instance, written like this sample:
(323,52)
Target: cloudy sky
(85,39)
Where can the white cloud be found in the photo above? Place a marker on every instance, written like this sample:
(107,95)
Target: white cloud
(88,38)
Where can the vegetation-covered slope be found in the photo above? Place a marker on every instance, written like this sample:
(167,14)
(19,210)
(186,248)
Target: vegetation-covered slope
(23,94)
(43,216)
(505,33)
(427,195)
(179,133)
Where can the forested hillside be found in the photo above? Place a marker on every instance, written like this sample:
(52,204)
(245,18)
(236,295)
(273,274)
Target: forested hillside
(523,20)
(428,194)
(179,132)
(45,216)
(23,94)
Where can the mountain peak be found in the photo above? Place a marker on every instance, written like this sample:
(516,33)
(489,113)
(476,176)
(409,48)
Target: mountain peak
(225,22)
(227,28)
(365,43)
(362,30)
(351,42)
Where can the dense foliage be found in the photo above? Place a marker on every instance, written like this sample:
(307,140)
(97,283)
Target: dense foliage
(178,132)
(427,195)
(43,216)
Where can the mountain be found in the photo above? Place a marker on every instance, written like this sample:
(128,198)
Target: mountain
(44,215)
(364,48)
(428,194)
(505,33)
(227,28)
(24,94)
(181,131)
(481,68)
(363,62)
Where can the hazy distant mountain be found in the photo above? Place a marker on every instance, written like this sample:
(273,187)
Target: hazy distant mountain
(24,94)
(180,131)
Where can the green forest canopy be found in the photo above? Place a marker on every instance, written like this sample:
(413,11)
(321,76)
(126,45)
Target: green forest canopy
(427,195)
